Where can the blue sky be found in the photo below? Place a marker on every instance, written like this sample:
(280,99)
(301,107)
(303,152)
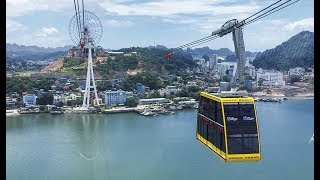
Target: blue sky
(142,23)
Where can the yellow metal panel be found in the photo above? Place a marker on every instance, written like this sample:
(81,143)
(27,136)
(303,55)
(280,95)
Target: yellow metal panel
(212,147)
(257,122)
(238,99)
(225,129)
(243,157)
(210,96)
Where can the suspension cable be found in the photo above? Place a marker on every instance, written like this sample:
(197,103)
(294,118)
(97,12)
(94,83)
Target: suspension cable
(238,25)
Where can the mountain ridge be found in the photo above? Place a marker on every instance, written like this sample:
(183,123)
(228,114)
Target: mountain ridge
(297,51)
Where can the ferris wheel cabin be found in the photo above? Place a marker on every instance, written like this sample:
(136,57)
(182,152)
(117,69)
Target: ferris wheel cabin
(227,124)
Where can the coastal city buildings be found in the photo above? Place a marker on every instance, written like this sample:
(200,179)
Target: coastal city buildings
(226,68)
(29,99)
(213,60)
(299,71)
(213,71)
(11,101)
(57,98)
(270,78)
(115,97)
(250,70)
(171,90)
(153,101)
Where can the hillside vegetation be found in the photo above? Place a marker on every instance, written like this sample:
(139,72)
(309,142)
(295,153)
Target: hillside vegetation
(298,51)
(136,58)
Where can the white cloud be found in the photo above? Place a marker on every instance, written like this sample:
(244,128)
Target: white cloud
(22,7)
(46,31)
(12,25)
(304,24)
(173,7)
(117,23)
(204,15)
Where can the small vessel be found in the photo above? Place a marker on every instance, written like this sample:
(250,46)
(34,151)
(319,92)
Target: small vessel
(56,111)
(148,112)
(28,111)
(166,112)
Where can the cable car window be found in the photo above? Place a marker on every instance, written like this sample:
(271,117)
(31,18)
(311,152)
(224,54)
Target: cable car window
(247,112)
(223,143)
(201,128)
(241,128)
(206,107)
(205,130)
(218,139)
(212,112)
(198,126)
(219,114)
(210,134)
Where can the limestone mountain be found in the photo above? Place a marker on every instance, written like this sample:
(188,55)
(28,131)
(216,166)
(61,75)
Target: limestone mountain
(298,51)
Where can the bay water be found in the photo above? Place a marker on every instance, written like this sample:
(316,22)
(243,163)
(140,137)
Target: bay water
(131,146)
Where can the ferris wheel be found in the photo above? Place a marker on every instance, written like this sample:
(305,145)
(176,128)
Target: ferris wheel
(85,27)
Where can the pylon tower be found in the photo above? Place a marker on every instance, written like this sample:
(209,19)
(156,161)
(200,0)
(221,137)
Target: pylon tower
(90,82)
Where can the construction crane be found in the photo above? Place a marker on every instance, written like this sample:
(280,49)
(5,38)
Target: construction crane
(236,28)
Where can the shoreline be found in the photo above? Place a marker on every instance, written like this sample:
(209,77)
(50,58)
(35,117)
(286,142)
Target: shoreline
(12,112)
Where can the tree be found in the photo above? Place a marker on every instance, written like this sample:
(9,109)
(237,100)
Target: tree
(131,102)
(294,78)
(103,85)
(226,78)
(45,99)
(60,104)
(42,108)
(155,94)
(194,89)
(182,93)
(260,82)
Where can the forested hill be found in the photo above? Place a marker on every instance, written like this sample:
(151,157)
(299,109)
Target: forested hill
(147,59)
(298,51)
(134,59)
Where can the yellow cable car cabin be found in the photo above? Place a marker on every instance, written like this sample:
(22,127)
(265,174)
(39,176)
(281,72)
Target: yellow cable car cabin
(227,123)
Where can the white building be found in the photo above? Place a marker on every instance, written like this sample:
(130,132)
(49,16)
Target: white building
(153,101)
(11,101)
(58,98)
(162,92)
(271,78)
(224,66)
(251,71)
(29,99)
(191,83)
(297,71)
(171,89)
(203,63)
(129,94)
(213,60)
(115,97)
(71,97)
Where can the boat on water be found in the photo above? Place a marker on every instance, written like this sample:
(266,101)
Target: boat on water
(175,107)
(270,100)
(28,111)
(56,111)
(148,112)
(166,112)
